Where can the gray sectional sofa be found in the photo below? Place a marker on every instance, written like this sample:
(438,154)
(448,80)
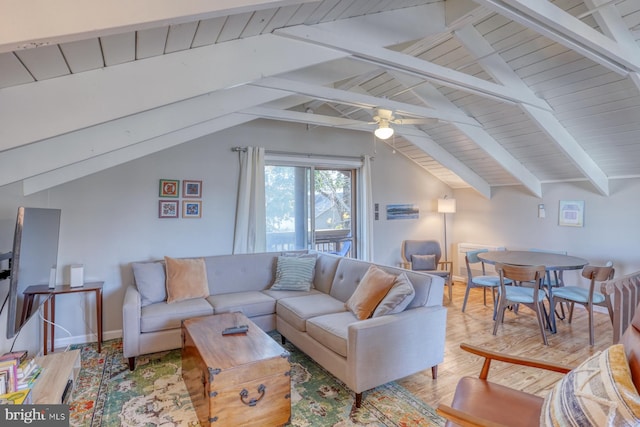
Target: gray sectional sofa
(362,353)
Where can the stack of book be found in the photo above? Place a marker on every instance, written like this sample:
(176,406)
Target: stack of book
(28,372)
(17,372)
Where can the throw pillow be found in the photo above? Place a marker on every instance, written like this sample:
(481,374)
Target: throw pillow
(398,297)
(599,392)
(370,291)
(294,273)
(150,281)
(186,279)
(423,262)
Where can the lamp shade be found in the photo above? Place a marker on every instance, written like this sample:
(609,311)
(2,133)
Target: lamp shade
(447,205)
(384,131)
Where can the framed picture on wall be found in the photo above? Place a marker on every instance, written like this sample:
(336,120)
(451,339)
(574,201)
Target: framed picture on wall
(169,188)
(571,213)
(168,209)
(191,208)
(191,189)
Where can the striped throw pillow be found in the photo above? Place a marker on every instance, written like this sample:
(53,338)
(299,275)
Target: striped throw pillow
(599,392)
(294,273)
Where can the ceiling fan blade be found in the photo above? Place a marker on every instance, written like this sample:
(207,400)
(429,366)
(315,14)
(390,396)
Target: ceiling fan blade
(425,121)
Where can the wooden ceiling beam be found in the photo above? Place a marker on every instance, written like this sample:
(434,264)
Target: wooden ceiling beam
(392,60)
(478,135)
(553,22)
(501,72)
(27,24)
(361,100)
(94,97)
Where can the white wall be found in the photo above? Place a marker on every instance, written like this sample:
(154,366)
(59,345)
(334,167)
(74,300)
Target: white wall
(510,219)
(110,219)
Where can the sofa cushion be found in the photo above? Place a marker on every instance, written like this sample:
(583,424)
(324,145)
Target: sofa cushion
(332,330)
(294,273)
(599,392)
(151,281)
(162,316)
(374,286)
(250,303)
(398,297)
(296,310)
(423,262)
(186,279)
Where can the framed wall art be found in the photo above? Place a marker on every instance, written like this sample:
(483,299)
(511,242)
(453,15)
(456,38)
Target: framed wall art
(168,209)
(191,189)
(169,188)
(571,213)
(191,208)
(403,211)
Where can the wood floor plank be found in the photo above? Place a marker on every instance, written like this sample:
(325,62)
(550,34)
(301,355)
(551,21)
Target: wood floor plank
(519,335)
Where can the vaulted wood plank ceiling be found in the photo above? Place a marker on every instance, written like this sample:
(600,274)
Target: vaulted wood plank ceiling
(487,92)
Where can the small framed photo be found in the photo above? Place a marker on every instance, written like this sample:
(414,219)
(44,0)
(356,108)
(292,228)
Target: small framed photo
(191,189)
(169,188)
(571,213)
(168,209)
(191,208)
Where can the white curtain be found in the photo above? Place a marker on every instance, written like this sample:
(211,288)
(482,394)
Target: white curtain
(365,215)
(250,229)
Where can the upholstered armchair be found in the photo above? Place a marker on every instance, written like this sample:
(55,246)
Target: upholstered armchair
(424,256)
(608,383)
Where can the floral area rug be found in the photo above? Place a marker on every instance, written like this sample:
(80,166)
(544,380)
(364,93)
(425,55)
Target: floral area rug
(108,394)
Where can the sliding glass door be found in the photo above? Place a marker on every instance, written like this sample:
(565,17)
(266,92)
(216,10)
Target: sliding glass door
(310,207)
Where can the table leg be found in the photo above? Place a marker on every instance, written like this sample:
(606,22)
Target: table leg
(552,312)
(45,326)
(99,314)
(53,321)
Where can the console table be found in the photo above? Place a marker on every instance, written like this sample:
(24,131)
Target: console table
(50,308)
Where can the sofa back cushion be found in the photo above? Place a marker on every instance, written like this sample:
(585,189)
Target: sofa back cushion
(241,272)
(326,266)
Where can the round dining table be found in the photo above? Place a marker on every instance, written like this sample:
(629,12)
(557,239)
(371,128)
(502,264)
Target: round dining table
(551,262)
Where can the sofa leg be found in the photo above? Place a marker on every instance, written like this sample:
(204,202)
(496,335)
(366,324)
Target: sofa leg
(132,363)
(283,340)
(434,372)
(358,399)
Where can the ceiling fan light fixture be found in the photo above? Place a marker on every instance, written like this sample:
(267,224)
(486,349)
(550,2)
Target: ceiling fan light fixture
(384,131)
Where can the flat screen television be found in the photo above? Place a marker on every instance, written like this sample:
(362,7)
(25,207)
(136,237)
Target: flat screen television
(35,252)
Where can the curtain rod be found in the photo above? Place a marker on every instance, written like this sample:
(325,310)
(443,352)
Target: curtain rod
(291,153)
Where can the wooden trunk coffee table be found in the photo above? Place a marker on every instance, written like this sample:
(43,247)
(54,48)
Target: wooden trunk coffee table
(235,380)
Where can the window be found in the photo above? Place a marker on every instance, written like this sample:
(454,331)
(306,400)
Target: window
(291,195)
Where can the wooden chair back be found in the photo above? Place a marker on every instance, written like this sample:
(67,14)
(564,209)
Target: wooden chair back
(521,273)
(598,274)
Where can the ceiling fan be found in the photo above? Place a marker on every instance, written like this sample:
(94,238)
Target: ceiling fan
(384,118)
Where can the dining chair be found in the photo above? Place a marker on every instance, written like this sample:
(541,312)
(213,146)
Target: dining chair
(483,281)
(529,296)
(424,256)
(586,297)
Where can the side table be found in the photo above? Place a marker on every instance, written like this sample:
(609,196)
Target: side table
(50,306)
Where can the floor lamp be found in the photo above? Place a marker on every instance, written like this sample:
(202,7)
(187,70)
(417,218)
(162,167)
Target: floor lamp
(446,206)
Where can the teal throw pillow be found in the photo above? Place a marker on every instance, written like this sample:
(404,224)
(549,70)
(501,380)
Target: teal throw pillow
(294,273)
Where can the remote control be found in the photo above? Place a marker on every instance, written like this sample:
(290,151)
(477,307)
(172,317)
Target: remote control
(242,329)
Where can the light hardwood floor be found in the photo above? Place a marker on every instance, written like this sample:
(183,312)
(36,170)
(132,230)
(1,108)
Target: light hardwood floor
(519,335)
